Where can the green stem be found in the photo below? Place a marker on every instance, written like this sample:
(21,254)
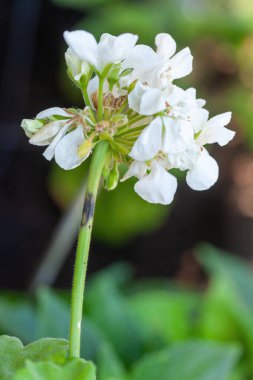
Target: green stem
(100,98)
(82,253)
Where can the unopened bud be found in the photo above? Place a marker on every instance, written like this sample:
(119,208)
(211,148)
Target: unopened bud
(78,70)
(113,178)
(31,126)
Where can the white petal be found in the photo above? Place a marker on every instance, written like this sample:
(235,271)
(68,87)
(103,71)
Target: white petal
(178,135)
(114,49)
(45,134)
(149,142)
(51,112)
(204,174)
(136,169)
(84,45)
(199,117)
(220,120)
(166,45)
(181,64)
(215,132)
(141,58)
(92,87)
(157,187)
(134,98)
(153,101)
(184,160)
(66,151)
(146,100)
(49,152)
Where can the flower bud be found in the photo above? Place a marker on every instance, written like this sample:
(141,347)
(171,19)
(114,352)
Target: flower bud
(31,126)
(113,178)
(78,70)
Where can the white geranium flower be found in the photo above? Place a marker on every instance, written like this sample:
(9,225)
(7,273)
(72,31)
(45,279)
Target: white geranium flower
(136,169)
(183,103)
(158,186)
(178,136)
(109,50)
(146,100)
(150,141)
(66,151)
(203,169)
(214,131)
(61,145)
(46,134)
(165,135)
(159,68)
(128,86)
(47,131)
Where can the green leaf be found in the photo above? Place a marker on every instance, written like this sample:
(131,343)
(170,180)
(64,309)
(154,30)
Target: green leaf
(220,263)
(51,349)
(109,365)
(227,307)
(107,308)
(192,360)
(10,349)
(14,355)
(76,369)
(165,313)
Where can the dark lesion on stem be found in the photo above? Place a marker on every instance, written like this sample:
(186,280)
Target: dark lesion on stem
(88,209)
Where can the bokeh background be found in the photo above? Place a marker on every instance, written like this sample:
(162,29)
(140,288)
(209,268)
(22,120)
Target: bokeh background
(35,194)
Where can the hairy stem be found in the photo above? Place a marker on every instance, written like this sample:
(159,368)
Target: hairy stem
(82,253)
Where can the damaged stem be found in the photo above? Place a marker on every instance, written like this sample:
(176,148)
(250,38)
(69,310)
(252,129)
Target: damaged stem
(82,253)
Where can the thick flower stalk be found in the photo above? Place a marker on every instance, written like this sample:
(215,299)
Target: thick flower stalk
(134,115)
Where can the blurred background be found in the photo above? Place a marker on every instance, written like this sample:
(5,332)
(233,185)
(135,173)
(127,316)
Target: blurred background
(35,195)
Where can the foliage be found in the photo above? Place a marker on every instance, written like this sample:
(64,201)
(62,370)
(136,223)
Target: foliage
(141,330)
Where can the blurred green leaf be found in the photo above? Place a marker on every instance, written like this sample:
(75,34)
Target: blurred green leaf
(50,304)
(109,366)
(227,310)
(76,369)
(17,316)
(14,355)
(190,360)
(167,314)
(220,263)
(107,307)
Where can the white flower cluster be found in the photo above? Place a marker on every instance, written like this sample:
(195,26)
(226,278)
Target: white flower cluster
(150,124)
